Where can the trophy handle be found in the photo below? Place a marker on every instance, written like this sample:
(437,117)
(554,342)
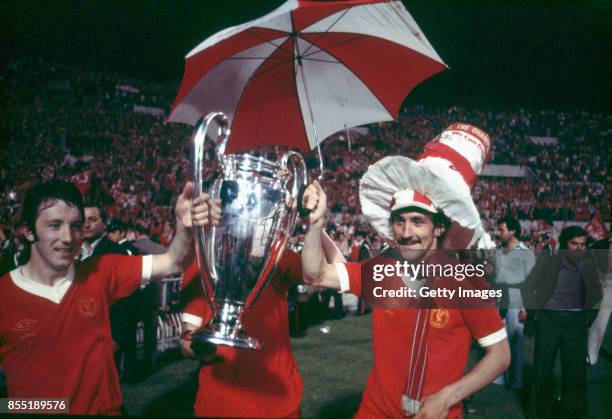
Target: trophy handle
(197,161)
(300,181)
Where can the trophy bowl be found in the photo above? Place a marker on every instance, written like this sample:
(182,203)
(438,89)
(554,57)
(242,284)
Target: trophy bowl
(259,199)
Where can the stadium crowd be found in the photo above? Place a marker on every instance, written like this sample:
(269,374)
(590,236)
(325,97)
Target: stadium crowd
(106,134)
(68,122)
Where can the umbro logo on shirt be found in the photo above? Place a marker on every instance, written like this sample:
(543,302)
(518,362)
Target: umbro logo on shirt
(24,325)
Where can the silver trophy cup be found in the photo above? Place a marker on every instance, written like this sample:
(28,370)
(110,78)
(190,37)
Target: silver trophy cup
(259,212)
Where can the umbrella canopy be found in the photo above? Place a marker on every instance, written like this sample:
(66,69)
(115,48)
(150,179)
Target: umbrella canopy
(305,71)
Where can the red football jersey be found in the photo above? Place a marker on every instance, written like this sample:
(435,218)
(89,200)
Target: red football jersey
(451,331)
(64,349)
(251,383)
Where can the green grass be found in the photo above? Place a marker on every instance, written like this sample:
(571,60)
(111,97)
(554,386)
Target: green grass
(334,367)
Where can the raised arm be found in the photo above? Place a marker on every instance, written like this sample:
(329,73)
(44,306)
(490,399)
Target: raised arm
(317,270)
(188,214)
(331,251)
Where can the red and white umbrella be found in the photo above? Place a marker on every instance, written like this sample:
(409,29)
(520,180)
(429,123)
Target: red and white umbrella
(305,71)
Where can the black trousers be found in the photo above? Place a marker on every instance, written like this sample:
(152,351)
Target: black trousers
(139,307)
(328,294)
(565,332)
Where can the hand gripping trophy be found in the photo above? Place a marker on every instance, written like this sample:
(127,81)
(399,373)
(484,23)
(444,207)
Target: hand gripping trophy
(260,203)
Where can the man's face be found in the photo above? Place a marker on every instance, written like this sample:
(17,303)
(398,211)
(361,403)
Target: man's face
(94,227)
(59,232)
(577,245)
(505,235)
(415,234)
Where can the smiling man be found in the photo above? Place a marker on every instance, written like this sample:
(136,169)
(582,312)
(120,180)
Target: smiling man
(55,339)
(420,353)
(418,233)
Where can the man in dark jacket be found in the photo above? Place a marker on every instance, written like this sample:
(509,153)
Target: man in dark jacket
(117,232)
(559,293)
(95,240)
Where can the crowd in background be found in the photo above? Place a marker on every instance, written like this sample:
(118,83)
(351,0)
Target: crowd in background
(106,134)
(81,124)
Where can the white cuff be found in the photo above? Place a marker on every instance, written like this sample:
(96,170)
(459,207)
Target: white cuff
(493,338)
(192,319)
(147,269)
(343,277)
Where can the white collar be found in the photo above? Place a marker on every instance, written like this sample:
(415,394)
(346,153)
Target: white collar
(88,249)
(53,292)
(519,246)
(94,244)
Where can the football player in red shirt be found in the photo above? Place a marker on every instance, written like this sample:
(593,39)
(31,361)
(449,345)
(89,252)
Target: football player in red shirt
(418,228)
(243,382)
(55,339)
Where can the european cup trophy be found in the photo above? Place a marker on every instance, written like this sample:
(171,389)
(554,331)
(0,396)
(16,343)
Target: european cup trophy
(259,199)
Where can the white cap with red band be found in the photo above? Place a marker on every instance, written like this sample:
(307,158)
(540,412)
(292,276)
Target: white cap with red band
(440,180)
(409,198)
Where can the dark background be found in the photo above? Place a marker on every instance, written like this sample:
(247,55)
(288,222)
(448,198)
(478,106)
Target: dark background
(532,54)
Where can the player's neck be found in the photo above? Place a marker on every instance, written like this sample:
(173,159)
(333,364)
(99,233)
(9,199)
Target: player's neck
(39,271)
(511,244)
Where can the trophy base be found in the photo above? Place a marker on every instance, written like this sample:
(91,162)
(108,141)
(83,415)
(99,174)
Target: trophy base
(218,338)
(226,328)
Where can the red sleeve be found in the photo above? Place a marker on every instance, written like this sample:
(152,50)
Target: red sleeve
(482,321)
(288,272)
(192,299)
(354,277)
(122,274)
(291,263)
(480,316)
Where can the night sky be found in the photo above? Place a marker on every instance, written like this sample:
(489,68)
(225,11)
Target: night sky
(553,54)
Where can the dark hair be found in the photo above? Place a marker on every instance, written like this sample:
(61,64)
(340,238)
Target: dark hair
(511,224)
(49,193)
(101,211)
(116,224)
(569,233)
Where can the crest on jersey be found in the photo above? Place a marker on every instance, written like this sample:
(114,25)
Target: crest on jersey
(87,307)
(439,318)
